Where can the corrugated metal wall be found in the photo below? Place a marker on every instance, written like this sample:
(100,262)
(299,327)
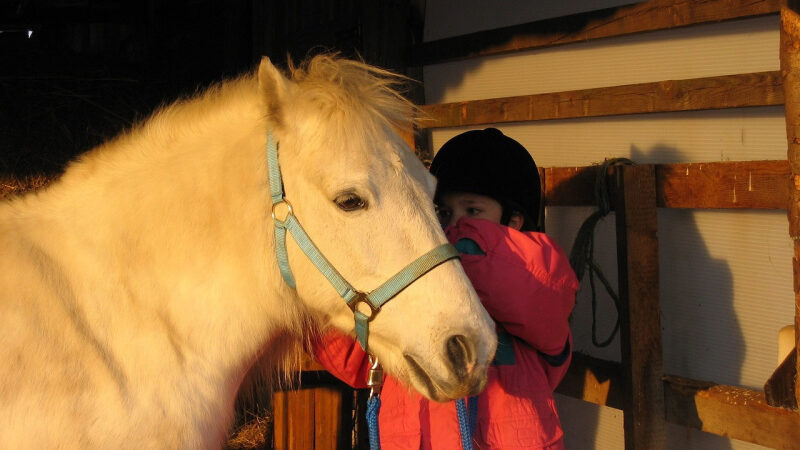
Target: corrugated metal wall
(726,279)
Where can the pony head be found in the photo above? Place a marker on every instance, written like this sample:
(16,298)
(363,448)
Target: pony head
(365,200)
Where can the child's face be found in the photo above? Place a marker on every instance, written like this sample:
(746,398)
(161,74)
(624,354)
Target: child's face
(455,205)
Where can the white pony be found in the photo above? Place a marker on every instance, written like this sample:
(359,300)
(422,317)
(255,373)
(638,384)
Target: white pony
(138,290)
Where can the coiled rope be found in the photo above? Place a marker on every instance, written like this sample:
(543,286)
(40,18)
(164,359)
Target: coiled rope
(582,256)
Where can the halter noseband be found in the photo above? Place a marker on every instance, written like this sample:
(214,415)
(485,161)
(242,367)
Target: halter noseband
(353,297)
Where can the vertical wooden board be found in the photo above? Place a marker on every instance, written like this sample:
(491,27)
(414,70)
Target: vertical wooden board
(280,420)
(301,419)
(790,71)
(640,312)
(327,417)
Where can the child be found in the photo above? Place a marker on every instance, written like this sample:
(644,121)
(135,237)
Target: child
(488,198)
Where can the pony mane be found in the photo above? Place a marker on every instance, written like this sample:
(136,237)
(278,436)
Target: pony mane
(330,82)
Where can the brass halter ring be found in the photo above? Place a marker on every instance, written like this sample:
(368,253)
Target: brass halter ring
(289,210)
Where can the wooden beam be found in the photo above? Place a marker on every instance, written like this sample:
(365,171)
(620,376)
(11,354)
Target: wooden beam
(593,380)
(730,411)
(714,185)
(718,409)
(790,70)
(726,91)
(618,21)
(741,184)
(640,310)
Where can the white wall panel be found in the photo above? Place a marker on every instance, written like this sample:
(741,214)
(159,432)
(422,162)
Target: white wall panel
(724,135)
(726,48)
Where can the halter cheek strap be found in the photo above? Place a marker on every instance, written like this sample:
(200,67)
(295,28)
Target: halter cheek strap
(353,297)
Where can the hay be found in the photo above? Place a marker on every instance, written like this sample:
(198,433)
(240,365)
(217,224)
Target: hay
(12,186)
(255,434)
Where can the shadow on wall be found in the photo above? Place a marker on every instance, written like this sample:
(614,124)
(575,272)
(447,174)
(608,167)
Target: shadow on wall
(701,334)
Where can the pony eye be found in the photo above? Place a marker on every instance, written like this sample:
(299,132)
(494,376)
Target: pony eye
(350,202)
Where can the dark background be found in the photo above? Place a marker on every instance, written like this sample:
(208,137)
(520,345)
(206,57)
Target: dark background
(75,72)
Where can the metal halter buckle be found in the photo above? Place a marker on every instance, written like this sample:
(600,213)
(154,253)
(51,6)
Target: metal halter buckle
(374,377)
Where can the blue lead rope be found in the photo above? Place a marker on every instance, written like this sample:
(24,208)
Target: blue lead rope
(467,413)
(467,418)
(373,405)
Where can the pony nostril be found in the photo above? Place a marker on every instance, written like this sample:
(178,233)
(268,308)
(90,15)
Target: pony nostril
(461,355)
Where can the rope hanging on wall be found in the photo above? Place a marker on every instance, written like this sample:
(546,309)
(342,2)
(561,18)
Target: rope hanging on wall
(582,256)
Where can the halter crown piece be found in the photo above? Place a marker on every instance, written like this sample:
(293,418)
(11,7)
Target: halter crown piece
(353,297)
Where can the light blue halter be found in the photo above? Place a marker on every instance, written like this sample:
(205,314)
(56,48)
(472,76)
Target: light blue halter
(351,296)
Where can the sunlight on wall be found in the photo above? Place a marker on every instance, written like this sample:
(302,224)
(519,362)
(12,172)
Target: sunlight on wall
(726,280)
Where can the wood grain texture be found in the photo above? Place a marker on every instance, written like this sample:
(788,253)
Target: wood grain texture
(713,185)
(723,410)
(790,70)
(727,91)
(730,411)
(640,311)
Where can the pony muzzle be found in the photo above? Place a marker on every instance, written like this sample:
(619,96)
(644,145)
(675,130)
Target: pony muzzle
(466,377)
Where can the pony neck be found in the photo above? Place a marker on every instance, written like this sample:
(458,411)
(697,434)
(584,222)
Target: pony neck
(168,226)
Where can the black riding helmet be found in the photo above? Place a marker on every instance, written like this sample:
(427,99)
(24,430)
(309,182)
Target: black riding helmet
(489,163)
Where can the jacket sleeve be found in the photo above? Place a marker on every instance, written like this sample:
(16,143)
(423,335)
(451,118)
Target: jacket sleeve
(524,281)
(343,357)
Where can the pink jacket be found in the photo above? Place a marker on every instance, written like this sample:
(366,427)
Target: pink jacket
(526,284)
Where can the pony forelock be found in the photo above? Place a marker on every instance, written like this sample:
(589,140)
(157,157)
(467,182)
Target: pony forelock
(331,83)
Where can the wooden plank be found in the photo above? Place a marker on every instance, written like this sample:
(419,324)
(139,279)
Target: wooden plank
(293,419)
(640,311)
(618,21)
(718,409)
(790,69)
(730,184)
(726,91)
(328,420)
(732,412)
(280,420)
(569,186)
(750,184)
(301,419)
(593,380)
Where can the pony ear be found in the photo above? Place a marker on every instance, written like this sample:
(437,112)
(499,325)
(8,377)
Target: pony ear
(274,88)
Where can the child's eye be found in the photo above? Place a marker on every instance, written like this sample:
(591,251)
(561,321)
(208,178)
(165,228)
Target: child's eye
(443,214)
(473,211)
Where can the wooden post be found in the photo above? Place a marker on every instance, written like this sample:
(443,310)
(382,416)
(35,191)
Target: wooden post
(790,72)
(640,312)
